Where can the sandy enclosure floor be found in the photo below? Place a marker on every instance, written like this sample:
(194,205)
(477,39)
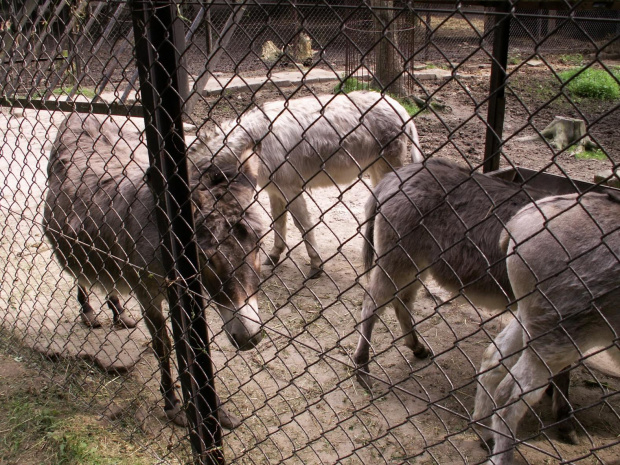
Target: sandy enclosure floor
(297,394)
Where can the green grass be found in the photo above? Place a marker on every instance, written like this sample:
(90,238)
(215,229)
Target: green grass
(44,423)
(438,66)
(48,426)
(80,91)
(574,59)
(353,84)
(593,83)
(86,92)
(514,59)
(596,154)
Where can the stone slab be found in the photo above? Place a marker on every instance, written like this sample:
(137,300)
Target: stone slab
(113,351)
(219,83)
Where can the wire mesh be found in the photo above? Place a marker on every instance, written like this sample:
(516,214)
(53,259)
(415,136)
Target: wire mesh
(308,108)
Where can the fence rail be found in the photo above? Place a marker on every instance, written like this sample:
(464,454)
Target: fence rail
(457,163)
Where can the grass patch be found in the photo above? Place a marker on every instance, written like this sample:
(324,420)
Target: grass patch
(438,66)
(514,59)
(43,422)
(595,154)
(353,84)
(592,83)
(86,92)
(573,59)
(46,427)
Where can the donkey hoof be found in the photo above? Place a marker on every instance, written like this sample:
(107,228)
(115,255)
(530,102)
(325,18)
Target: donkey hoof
(228,420)
(365,381)
(176,415)
(422,352)
(90,320)
(271,260)
(315,273)
(568,435)
(125,321)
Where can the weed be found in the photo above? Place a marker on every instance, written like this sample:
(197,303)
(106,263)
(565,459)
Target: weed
(515,59)
(593,83)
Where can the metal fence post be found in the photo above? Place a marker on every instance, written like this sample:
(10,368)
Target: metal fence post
(497,88)
(159,43)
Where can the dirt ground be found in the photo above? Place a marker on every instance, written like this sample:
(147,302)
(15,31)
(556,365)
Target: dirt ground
(296,394)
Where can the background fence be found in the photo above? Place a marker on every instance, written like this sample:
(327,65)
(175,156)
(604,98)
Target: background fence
(478,98)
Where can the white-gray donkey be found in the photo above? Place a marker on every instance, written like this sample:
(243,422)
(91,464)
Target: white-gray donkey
(100,219)
(437,219)
(563,262)
(311,142)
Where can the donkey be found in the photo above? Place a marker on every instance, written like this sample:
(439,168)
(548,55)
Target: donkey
(99,217)
(439,220)
(563,262)
(315,142)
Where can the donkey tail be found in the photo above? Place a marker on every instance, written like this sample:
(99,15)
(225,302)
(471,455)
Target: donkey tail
(416,153)
(368,248)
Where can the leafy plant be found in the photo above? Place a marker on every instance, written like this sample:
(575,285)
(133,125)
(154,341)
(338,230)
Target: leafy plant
(593,83)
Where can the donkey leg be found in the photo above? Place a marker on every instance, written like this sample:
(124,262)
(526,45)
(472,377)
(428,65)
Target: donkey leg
(361,357)
(88,313)
(278,214)
(493,370)
(121,317)
(521,388)
(301,218)
(403,305)
(560,384)
(379,291)
(156,324)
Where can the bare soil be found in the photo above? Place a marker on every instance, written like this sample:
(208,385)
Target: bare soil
(296,394)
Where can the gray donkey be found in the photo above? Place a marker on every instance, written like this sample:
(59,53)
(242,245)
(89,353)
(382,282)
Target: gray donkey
(437,219)
(311,142)
(100,219)
(563,262)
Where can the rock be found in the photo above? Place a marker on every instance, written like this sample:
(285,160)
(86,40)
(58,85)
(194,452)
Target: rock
(301,50)
(535,63)
(270,52)
(608,178)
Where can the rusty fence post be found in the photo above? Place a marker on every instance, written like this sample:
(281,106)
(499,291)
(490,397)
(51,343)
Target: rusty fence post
(497,88)
(159,44)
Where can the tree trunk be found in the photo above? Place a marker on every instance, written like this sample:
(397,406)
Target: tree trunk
(388,62)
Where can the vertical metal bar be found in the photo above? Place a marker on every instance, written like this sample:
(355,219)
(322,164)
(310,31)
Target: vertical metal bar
(159,42)
(497,88)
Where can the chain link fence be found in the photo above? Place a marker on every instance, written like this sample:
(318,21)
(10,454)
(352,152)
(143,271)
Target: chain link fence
(152,152)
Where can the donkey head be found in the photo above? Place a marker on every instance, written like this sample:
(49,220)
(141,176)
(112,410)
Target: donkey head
(228,231)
